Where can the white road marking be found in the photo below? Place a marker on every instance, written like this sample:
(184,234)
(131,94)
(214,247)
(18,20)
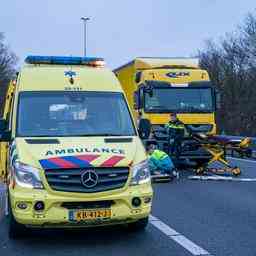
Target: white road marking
(189,245)
(177,237)
(241,159)
(217,178)
(165,228)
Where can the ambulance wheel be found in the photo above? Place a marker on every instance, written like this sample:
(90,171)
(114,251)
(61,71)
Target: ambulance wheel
(16,230)
(139,225)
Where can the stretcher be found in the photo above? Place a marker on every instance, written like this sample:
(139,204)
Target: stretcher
(198,152)
(217,147)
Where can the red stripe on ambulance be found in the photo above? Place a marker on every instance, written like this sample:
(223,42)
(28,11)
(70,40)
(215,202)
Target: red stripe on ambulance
(112,161)
(88,158)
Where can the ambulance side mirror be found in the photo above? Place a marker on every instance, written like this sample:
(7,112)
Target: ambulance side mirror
(3,125)
(144,128)
(5,135)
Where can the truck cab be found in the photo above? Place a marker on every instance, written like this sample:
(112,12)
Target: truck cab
(156,87)
(70,153)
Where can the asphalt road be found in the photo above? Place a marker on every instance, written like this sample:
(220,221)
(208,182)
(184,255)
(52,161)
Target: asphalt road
(192,218)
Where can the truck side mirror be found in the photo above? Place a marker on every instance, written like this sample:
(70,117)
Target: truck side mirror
(5,135)
(144,128)
(138,77)
(136,97)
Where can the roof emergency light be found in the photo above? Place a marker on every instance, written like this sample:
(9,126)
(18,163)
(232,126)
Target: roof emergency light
(64,60)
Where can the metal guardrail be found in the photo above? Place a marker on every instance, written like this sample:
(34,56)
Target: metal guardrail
(235,154)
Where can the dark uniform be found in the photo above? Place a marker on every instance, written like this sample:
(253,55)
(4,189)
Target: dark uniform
(176,131)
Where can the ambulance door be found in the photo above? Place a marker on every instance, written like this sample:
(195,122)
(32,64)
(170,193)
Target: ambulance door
(7,117)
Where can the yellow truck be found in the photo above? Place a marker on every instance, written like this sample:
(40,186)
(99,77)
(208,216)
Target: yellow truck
(156,87)
(70,153)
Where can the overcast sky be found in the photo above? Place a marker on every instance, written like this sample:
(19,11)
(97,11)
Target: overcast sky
(119,30)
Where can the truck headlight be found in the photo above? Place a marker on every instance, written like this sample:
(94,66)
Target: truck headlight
(27,176)
(140,173)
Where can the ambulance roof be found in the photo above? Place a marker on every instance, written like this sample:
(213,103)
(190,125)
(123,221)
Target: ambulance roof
(56,76)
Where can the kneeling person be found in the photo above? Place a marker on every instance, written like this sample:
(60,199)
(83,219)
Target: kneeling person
(159,161)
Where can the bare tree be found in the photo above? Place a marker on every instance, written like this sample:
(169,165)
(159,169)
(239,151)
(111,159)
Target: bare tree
(232,67)
(8,61)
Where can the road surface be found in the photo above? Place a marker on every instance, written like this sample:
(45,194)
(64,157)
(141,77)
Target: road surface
(189,217)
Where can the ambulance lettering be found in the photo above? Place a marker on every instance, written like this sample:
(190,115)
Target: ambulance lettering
(84,150)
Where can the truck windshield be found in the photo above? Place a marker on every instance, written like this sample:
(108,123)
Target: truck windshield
(183,100)
(73,114)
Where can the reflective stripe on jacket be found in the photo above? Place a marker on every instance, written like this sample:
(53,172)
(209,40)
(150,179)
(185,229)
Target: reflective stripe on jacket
(175,125)
(158,155)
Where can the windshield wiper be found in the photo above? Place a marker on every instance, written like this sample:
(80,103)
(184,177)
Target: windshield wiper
(101,134)
(153,107)
(194,109)
(111,134)
(81,135)
(187,109)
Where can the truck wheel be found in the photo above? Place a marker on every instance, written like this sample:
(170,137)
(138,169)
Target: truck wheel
(139,225)
(16,230)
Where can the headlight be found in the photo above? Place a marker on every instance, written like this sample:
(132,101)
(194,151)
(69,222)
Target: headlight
(140,173)
(27,176)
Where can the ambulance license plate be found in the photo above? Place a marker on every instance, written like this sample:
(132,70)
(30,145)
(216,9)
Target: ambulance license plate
(84,215)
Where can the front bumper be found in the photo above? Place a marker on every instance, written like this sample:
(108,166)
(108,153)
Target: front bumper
(55,215)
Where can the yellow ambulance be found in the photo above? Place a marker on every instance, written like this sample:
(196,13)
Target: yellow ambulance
(156,87)
(70,153)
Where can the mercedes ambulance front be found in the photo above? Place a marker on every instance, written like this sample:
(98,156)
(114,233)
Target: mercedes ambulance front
(74,158)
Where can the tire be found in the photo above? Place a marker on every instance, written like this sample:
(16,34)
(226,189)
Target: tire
(139,225)
(16,230)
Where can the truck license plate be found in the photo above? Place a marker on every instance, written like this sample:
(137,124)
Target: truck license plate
(83,215)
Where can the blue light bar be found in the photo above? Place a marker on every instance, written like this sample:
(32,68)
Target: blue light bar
(62,60)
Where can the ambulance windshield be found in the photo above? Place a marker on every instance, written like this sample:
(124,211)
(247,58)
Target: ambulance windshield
(73,114)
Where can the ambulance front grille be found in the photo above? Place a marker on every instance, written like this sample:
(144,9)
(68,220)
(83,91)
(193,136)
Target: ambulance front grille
(70,180)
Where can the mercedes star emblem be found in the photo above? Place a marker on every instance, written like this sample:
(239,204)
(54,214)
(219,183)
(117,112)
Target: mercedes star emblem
(89,179)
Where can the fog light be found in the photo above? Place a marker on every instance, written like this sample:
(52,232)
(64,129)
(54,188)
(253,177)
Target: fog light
(147,200)
(39,206)
(22,205)
(136,202)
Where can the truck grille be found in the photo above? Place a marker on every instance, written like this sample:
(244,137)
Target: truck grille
(70,180)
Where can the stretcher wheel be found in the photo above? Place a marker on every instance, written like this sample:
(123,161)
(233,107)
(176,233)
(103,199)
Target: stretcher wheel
(200,170)
(236,171)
